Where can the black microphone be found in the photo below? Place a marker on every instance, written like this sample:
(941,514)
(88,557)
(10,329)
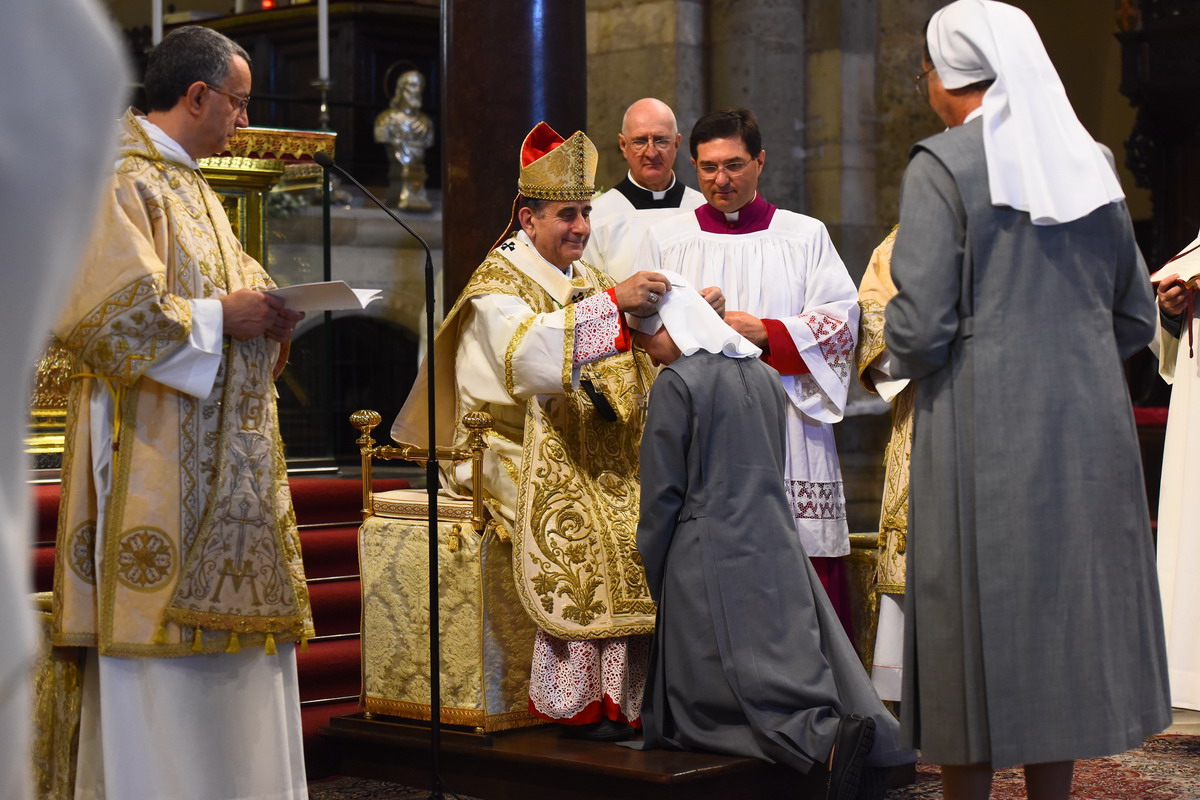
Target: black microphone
(431,484)
(328,163)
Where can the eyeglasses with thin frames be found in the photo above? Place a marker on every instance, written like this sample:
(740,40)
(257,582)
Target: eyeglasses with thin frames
(732,168)
(241,102)
(921,82)
(660,143)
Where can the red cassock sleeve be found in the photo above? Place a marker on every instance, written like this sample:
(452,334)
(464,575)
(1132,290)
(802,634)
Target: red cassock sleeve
(781,352)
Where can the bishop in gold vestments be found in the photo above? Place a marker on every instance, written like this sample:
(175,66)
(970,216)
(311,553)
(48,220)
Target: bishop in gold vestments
(543,347)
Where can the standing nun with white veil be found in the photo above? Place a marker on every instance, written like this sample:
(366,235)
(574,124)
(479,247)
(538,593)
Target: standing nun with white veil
(1034,634)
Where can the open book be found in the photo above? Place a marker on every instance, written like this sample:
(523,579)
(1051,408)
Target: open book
(1186,265)
(326,296)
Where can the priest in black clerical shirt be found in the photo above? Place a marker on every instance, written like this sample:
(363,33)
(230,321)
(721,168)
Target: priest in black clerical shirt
(649,140)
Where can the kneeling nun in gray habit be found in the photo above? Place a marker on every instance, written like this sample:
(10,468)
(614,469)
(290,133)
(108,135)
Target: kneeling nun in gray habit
(748,658)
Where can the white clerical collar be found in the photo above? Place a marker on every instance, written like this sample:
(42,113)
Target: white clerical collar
(563,287)
(524,239)
(975,112)
(657,195)
(167,147)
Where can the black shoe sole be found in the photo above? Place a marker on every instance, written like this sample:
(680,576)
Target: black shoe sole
(855,736)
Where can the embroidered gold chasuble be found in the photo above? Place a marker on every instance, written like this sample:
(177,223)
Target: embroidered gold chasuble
(874,293)
(573,515)
(199,550)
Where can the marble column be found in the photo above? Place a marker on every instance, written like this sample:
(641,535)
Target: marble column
(507,66)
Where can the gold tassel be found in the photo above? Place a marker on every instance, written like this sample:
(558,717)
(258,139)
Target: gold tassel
(269,645)
(197,641)
(304,643)
(160,636)
(234,645)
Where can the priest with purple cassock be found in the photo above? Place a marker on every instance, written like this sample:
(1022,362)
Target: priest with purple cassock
(788,292)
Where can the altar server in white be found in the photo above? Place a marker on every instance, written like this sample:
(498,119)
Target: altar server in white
(1178,530)
(650,193)
(788,292)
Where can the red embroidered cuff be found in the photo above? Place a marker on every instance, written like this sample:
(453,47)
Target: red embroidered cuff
(781,352)
(625,338)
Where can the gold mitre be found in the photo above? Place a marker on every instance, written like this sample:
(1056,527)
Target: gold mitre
(553,168)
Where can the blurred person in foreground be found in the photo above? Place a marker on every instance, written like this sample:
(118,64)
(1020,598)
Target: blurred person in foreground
(67,79)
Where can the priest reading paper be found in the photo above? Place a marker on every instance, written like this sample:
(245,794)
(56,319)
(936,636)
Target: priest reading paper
(178,561)
(539,339)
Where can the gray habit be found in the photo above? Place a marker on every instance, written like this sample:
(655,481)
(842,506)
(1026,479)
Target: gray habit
(749,658)
(1035,631)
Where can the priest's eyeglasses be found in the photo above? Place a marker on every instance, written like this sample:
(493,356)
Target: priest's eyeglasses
(239,101)
(731,168)
(922,82)
(661,143)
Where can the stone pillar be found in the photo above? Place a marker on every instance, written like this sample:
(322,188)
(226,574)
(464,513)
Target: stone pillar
(643,48)
(905,117)
(758,62)
(507,66)
(842,135)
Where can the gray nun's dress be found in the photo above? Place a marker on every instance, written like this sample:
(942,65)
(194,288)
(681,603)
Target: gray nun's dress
(748,658)
(1034,632)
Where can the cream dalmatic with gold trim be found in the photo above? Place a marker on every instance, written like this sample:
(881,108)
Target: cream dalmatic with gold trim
(874,370)
(198,542)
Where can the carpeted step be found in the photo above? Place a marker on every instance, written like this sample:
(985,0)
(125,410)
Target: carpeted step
(336,605)
(325,500)
(330,551)
(330,668)
(319,759)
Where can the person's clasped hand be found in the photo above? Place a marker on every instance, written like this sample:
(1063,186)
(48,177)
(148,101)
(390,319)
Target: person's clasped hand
(1172,295)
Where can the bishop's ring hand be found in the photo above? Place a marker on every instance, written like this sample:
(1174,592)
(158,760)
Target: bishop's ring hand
(654,297)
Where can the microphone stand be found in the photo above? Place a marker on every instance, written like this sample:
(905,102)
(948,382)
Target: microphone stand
(431,484)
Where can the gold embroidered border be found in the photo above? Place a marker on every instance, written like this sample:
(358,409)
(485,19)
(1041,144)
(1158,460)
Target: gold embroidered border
(538,191)
(513,344)
(146,347)
(472,717)
(510,467)
(870,335)
(568,349)
(410,510)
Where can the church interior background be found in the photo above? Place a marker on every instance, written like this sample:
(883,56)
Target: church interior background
(830,80)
